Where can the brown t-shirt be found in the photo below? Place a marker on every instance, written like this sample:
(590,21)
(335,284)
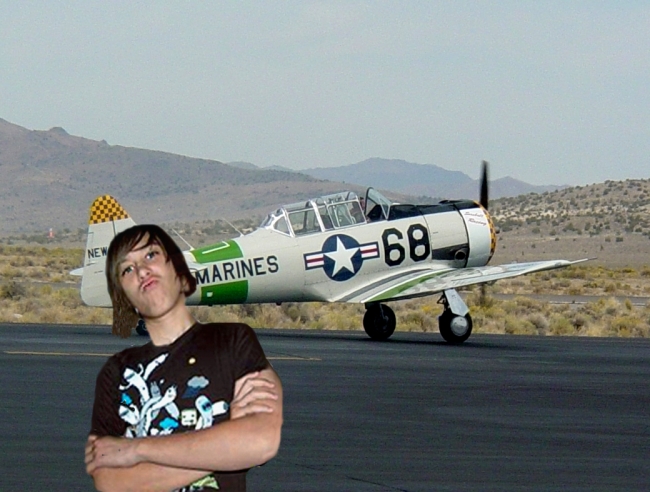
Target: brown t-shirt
(187,385)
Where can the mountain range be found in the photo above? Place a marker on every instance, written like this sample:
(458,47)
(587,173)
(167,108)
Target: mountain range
(50,178)
(424,180)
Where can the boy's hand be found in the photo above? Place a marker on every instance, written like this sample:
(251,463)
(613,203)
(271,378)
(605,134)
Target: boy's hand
(109,451)
(250,393)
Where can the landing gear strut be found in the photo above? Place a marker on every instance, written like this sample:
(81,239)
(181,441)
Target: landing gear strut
(379,321)
(455,323)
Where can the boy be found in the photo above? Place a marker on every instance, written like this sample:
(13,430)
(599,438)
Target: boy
(192,409)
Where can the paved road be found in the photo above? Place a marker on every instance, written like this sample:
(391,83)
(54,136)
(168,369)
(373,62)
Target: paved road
(413,414)
(573,299)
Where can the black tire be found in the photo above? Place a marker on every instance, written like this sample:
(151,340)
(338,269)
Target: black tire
(453,328)
(141,328)
(379,322)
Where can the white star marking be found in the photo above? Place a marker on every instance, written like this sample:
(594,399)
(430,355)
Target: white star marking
(342,257)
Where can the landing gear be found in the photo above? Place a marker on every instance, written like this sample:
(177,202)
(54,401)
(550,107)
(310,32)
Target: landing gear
(455,323)
(141,328)
(379,321)
(454,328)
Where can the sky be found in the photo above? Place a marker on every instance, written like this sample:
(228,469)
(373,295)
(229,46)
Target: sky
(549,92)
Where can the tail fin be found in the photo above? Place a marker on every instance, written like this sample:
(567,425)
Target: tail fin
(107,219)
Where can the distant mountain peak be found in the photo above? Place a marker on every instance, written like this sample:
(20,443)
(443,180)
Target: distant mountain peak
(411,178)
(58,130)
(243,165)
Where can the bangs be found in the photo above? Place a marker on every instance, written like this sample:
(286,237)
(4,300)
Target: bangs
(131,238)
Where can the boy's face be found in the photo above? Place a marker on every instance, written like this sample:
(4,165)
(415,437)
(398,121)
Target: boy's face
(150,281)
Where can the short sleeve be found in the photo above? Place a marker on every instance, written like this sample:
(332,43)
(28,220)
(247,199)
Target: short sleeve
(105,419)
(249,355)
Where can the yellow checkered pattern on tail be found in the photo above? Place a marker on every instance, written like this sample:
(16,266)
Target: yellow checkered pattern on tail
(104,209)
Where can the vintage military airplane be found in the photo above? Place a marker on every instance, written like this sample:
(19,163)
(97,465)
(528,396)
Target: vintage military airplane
(337,248)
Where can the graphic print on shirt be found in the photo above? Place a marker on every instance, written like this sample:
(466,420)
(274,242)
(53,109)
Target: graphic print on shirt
(141,408)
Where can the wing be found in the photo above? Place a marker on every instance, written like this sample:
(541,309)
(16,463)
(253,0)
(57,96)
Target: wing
(428,281)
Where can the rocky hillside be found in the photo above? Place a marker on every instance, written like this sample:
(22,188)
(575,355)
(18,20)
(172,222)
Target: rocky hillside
(50,178)
(608,221)
(613,207)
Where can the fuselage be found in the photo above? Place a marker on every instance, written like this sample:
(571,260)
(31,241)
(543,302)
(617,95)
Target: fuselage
(324,249)
(275,264)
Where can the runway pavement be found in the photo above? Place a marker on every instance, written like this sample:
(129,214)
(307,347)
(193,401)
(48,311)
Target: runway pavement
(506,413)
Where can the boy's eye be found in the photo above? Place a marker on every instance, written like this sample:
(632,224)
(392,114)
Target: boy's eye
(150,255)
(127,270)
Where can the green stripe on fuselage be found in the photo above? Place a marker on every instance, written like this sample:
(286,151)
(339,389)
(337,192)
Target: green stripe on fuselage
(230,293)
(225,250)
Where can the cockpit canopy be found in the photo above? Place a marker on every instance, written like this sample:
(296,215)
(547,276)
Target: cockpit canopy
(328,212)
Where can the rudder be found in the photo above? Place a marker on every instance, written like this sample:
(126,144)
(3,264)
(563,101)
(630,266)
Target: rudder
(107,219)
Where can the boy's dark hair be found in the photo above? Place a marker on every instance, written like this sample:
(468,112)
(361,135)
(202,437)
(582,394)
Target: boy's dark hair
(125,317)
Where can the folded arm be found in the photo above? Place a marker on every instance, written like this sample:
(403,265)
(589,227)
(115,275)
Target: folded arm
(145,476)
(237,444)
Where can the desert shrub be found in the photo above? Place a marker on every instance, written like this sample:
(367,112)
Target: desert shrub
(481,298)
(578,273)
(12,290)
(68,297)
(514,325)
(46,290)
(292,311)
(625,326)
(10,272)
(560,325)
(414,321)
(269,316)
(610,287)
(564,283)
(540,322)
(522,305)
(579,321)
(602,307)
(36,273)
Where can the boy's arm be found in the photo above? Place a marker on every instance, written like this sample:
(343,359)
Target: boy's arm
(145,476)
(233,445)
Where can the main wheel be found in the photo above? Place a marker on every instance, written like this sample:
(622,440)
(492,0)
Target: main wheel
(454,328)
(141,328)
(379,322)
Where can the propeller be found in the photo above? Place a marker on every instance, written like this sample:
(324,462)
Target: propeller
(483,200)
(484,186)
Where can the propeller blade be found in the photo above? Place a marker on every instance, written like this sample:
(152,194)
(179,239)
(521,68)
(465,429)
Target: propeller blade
(484,203)
(484,186)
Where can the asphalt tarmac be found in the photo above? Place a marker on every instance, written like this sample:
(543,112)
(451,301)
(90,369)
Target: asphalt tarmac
(506,413)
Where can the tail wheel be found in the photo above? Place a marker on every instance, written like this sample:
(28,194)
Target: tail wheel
(454,328)
(379,322)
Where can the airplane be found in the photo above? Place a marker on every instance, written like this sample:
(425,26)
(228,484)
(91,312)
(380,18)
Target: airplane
(337,248)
